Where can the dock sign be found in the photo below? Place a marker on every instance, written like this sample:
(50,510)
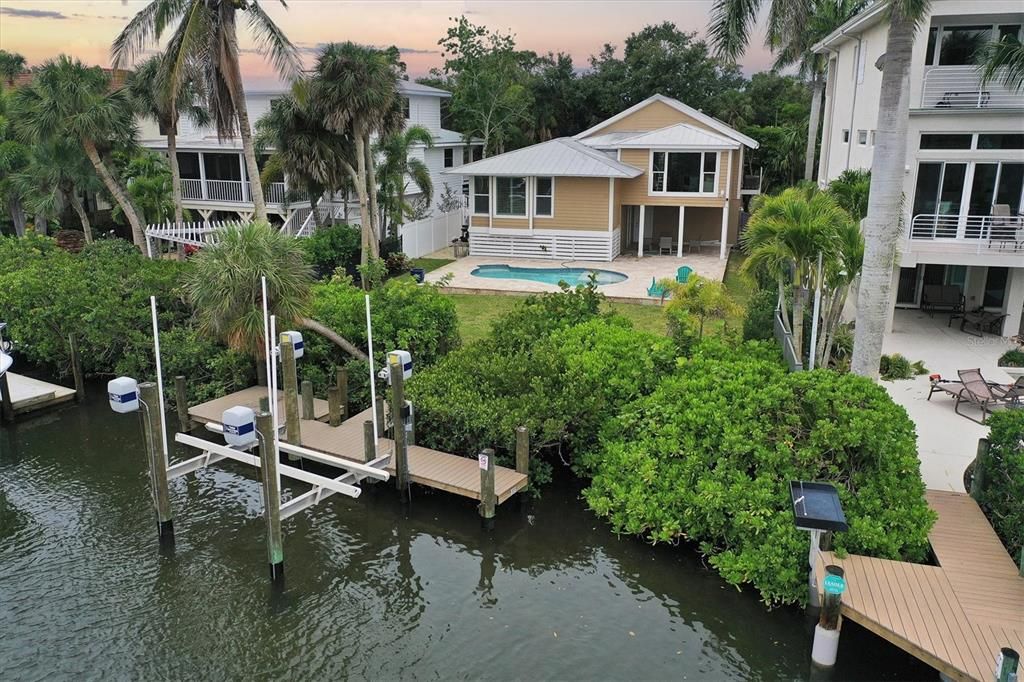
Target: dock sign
(834,584)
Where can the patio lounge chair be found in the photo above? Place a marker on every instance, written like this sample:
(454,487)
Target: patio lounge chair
(683,274)
(942,297)
(973,389)
(1012,394)
(656,289)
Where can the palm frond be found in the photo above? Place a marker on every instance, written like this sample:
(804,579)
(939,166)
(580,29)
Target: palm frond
(272,43)
(145,28)
(1004,63)
(731,22)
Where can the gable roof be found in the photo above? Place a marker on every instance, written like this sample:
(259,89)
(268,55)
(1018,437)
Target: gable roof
(855,25)
(414,88)
(561,157)
(709,121)
(682,135)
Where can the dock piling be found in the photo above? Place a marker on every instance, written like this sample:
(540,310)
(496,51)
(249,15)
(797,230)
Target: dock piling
(6,404)
(271,494)
(333,406)
(522,450)
(289,374)
(181,399)
(152,426)
(307,400)
(369,442)
(488,500)
(398,413)
(825,646)
(76,368)
(379,410)
(341,381)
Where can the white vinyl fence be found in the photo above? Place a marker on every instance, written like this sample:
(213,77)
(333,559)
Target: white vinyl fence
(430,234)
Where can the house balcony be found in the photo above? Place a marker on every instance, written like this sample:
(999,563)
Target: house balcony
(965,239)
(960,88)
(237,192)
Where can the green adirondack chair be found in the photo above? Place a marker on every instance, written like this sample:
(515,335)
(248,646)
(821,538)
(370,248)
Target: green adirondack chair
(683,274)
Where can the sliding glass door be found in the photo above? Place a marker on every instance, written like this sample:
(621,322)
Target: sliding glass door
(937,199)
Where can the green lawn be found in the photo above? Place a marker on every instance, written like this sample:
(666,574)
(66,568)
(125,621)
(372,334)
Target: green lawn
(478,311)
(739,284)
(429,264)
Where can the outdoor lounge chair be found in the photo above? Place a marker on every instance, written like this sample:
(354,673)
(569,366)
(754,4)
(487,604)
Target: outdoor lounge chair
(942,297)
(973,389)
(683,274)
(656,290)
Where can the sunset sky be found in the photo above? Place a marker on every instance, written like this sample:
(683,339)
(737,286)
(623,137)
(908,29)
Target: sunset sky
(40,29)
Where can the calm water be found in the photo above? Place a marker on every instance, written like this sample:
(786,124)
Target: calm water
(371,592)
(571,276)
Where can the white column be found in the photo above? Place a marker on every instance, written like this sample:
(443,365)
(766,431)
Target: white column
(202,176)
(682,218)
(640,232)
(531,191)
(245,184)
(491,200)
(1013,304)
(725,207)
(611,204)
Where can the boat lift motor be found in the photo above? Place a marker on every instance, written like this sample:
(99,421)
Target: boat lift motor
(404,357)
(123,394)
(297,344)
(239,426)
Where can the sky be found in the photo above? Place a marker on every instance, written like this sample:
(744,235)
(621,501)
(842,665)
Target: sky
(40,29)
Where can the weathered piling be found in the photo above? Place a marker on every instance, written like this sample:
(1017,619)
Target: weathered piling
(978,481)
(334,406)
(369,442)
(398,412)
(181,399)
(825,647)
(152,426)
(271,495)
(522,450)
(307,400)
(341,381)
(76,368)
(289,376)
(6,405)
(379,411)
(488,500)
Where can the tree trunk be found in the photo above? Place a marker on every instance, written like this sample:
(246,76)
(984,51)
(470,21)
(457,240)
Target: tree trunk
(799,297)
(333,336)
(76,204)
(818,89)
(371,188)
(827,327)
(783,315)
(17,215)
(364,209)
(39,223)
(172,161)
(259,205)
(883,224)
(118,192)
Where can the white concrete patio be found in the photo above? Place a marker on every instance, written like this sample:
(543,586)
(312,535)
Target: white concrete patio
(638,270)
(946,441)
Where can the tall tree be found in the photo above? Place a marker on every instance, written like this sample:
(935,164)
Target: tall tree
(792,47)
(14,155)
(57,174)
(11,64)
(70,101)
(151,95)
(206,37)
(149,185)
(396,168)
(731,22)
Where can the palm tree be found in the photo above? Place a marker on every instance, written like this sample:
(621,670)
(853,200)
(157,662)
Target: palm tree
(13,157)
(703,298)
(149,90)
(149,187)
(70,101)
(206,39)
(224,287)
(731,21)
(784,237)
(396,165)
(11,64)
(841,271)
(851,190)
(57,172)
(1004,62)
(354,91)
(792,43)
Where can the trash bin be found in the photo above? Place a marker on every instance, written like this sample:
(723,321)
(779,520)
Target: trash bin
(418,274)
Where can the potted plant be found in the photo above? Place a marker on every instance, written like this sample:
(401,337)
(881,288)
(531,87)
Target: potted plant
(1012,362)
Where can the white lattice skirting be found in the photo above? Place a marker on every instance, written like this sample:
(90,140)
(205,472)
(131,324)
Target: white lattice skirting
(563,245)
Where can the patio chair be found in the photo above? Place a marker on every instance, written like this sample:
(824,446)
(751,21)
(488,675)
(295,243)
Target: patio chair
(1013,393)
(664,245)
(1002,227)
(936,297)
(973,389)
(683,274)
(656,290)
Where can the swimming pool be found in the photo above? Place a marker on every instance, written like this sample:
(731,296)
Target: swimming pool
(571,276)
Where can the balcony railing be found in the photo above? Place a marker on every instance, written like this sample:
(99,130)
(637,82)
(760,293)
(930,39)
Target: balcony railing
(231,191)
(960,87)
(979,232)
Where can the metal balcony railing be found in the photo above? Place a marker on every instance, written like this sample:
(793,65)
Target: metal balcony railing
(979,232)
(960,87)
(232,191)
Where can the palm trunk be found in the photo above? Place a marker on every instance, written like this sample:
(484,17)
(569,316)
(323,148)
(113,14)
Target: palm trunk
(371,188)
(799,296)
(17,215)
(364,208)
(818,89)
(829,319)
(883,223)
(76,204)
(259,205)
(113,185)
(784,316)
(333,336)
(172,161)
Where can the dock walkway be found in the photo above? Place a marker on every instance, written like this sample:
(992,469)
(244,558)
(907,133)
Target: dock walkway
(212,411)
(955,616)
(28,394)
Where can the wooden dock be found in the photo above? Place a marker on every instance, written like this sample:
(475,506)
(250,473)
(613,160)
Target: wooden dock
(431,468)
(29,394)
(955,616)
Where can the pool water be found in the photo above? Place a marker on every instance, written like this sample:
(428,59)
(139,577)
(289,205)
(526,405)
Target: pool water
(571,276)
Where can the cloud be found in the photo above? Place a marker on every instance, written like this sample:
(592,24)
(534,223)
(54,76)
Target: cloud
(314,49)
(32,13)
(100,16)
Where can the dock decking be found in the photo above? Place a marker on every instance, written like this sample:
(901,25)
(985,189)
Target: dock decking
(431,468)
(28,394)
(954,616)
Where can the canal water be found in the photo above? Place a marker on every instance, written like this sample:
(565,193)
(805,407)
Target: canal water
(372,591)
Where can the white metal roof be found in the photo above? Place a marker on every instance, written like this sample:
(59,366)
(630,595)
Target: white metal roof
(414,88)
(608,140)
(680,135)
(561,157)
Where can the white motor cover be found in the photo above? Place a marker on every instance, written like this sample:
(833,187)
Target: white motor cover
(239,426)
(123,394)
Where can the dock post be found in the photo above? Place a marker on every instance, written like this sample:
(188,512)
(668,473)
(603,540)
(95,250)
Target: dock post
(6,404)
(341,380)
(291,392)
(379,409)
(398,411)
(181,398)
(76,368)
(152,426)
(271,495)
(488,501)
(334,406)
(826,633)
(369,441)
(522,450)
(307,400)
(978,482)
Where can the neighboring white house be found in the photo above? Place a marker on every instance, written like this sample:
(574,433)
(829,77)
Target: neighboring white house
(964,182)
(212,170)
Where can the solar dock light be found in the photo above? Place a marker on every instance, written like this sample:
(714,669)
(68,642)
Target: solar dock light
(817,509)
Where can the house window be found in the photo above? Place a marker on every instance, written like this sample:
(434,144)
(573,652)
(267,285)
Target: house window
(961,45)
(862,58)
(510,197)
(465,155)
(1000,141)
(449,157)
(873,137)
(405,108)
(544,201)
(478,153)
(945,141)
(684,172)
(846,136)
(481,195)
(862,138)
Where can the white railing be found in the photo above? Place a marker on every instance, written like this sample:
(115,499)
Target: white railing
(192,234)
(960,87)
(225,190)
(981,231)
(231,191)
(191,189)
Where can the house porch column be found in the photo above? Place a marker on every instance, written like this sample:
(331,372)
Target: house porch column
(640,232)
(1013,304)
(682,218)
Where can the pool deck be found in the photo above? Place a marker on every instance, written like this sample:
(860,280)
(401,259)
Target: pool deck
(634,289)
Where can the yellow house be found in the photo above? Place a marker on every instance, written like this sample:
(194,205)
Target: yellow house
(658,178)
